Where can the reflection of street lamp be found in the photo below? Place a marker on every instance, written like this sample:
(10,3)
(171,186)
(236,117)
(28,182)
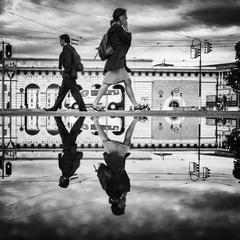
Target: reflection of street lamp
(21,91)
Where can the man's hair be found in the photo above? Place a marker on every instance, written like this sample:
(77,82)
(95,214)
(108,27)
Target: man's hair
(63,182)
(65,37)
(118,12)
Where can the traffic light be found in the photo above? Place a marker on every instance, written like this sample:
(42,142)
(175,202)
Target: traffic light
(197,168)
(8,168)
(8,50)
(198,51)
(195,51)
(207,46)
(206,172)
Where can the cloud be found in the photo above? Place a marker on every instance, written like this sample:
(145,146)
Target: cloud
(159,28)
(2,6)
(220,15)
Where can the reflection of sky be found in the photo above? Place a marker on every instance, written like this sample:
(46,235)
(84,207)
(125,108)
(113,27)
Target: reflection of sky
(162,202)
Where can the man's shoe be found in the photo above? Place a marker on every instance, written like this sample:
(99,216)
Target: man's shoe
(50,109)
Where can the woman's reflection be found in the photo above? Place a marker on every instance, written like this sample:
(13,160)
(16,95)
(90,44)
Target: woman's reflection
(112,176)
(69,159)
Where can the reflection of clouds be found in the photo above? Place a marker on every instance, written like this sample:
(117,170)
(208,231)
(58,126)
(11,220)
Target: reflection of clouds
(219,201)
(155,208)
(171,213)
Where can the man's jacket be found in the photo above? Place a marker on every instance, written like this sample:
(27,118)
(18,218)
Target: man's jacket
(66,60)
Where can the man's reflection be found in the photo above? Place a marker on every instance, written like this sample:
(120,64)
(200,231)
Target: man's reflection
(69,160)
(112,176)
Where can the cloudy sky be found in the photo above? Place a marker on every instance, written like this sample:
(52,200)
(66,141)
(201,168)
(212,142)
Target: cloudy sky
(162,30)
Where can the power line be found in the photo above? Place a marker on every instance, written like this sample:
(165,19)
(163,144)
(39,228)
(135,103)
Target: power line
(40,23)
(100,17)
(45,25)
(66,10)
(27,30)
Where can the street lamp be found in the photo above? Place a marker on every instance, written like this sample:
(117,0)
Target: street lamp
(195,52)
(8,52)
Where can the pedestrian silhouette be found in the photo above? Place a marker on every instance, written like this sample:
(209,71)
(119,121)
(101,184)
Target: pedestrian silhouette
(223,103)
(69,159)
(116,68)
(69,74)
(112,175)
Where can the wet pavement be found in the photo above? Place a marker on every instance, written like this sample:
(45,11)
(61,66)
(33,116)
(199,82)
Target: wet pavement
(128,177)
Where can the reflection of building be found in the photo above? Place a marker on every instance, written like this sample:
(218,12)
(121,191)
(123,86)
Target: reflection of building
(163,87)
(223,127)
(41,131)
(232,101)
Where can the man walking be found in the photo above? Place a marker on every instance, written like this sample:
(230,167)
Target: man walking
(115,68)
(69,75)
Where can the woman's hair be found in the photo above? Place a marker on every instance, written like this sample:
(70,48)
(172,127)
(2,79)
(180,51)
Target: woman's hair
(65,37)
(63,182)
(117,13)
(111,22)
(116,210)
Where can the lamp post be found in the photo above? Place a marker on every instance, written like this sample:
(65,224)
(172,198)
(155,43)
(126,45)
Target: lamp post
(3,75)
(195,52)
(8,53)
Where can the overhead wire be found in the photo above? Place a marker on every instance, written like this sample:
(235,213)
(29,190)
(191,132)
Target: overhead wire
(67,10)
(101,17)
(45,25)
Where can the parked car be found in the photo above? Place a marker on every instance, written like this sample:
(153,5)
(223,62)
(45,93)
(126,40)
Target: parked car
(112,124)
(112,100)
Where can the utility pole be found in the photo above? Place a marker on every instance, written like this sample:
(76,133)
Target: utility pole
(195,52)
(8,54)
(3,74)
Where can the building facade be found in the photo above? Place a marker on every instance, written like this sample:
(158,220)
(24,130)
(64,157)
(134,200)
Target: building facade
(34,84)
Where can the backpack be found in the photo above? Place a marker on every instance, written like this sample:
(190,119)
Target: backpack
(105,50)
(77,60)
